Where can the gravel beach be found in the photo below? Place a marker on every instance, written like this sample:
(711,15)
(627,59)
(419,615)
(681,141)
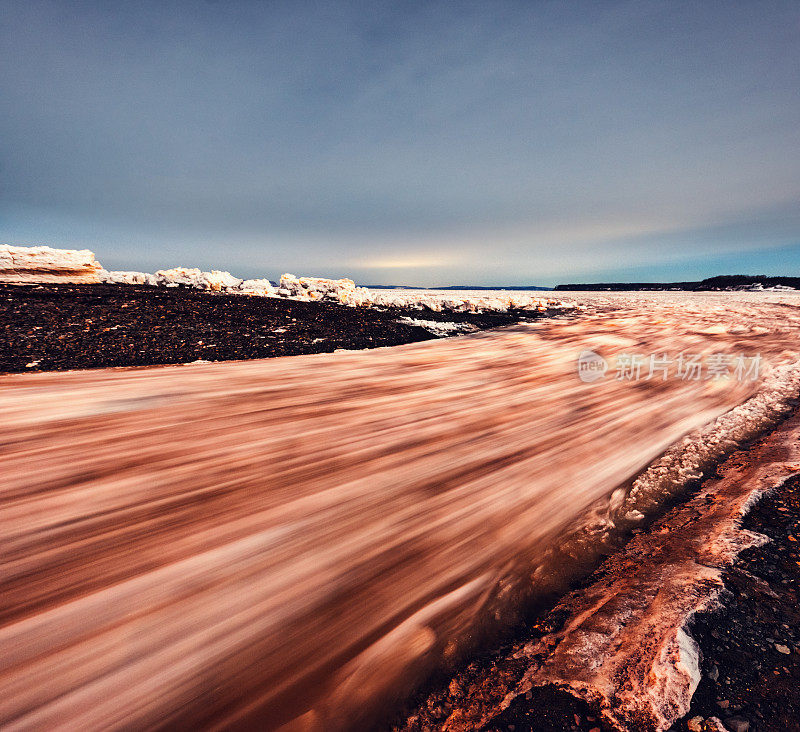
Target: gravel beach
(62,326)
(751,646)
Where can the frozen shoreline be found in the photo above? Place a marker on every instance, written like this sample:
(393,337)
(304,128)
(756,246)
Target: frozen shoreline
(43,264)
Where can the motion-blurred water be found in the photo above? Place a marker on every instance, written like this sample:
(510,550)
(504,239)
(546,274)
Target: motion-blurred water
(299,541)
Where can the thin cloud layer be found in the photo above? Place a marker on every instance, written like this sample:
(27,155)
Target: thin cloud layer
(493,143)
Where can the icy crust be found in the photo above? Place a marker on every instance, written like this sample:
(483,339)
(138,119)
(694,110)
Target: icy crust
(342,291)
(470,303)
(44,264)
(693,456)
(216,281)
(439,328)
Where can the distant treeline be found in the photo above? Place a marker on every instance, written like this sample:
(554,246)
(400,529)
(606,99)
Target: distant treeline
(720,282)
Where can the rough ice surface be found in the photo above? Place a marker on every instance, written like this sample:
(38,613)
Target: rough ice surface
(468,301)
(215,280)
(439,328)
(20,265)
(343,291)
(125,277)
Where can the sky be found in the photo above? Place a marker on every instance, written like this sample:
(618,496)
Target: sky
(420,143)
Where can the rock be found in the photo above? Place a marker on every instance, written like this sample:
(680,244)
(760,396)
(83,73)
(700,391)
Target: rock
(723,703)
(695,724)
(737,724)
(713,673)
(780,648)
(43,264)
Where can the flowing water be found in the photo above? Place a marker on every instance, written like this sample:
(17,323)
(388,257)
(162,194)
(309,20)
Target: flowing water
(297,542)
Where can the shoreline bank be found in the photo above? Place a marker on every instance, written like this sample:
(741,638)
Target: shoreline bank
(64,326)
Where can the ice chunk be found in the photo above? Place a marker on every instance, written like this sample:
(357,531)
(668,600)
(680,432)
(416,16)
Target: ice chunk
(121,277)
(44,264)
(215,280)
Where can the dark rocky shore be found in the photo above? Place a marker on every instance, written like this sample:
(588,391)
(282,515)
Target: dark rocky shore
(751,646)
(56,327)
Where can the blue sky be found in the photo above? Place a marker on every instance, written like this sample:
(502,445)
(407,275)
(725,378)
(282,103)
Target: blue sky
(402,142)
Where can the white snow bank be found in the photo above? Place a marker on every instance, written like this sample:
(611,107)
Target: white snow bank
(346,292)
(342,291)
(215,280)
(188,277)
(44,264)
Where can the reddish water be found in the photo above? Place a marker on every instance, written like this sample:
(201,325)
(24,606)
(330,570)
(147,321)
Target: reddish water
(299,541)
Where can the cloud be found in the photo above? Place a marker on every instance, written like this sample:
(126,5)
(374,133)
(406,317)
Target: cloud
(405,260)
(503,141)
